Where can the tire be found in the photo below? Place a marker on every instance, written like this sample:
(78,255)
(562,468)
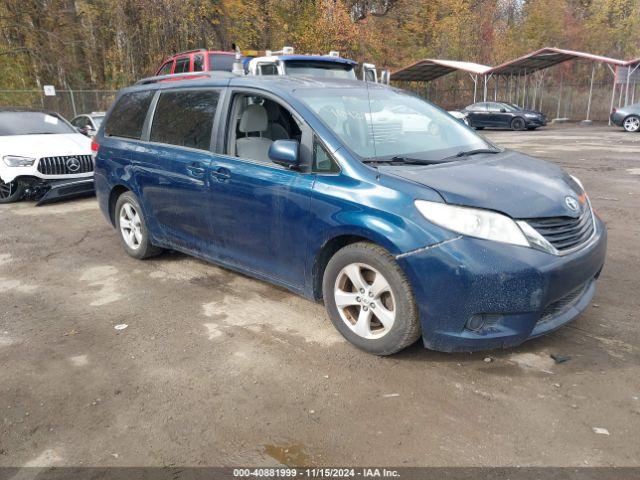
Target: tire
(631,123)
(392,323)
(132,228)
(11,192)
(518,124)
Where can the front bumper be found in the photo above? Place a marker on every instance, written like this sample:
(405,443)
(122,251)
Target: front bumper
(516,293)
(64,189)
(535,122)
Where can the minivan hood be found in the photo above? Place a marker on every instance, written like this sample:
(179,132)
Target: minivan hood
(508,182)
(52,145)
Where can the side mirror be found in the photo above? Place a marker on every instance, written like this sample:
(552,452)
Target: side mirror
(503,110)
(285,153)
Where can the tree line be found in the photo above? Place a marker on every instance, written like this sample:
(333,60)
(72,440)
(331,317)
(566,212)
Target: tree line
(106,44)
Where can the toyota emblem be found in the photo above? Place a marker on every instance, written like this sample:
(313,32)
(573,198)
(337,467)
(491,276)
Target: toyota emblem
(572,204)
(73,164)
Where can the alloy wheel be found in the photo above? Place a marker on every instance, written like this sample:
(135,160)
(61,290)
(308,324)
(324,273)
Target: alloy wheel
(130,226)
(632,124)
(365,301)
(518,124)
(6,189)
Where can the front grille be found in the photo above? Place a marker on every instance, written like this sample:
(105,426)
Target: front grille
(565,233)
(60,165)
(563,304)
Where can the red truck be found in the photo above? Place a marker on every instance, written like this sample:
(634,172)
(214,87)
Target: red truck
(201,60)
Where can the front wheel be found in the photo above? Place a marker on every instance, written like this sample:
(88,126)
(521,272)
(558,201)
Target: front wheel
(11,192)
(632,123)
(369,299)
(132,227)
(518,124)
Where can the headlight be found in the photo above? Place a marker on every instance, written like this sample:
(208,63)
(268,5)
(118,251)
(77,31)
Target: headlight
(531,115)
(473,222)
(15,161)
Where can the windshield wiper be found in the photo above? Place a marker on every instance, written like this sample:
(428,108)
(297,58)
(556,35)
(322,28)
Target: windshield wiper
(468,153)
(403,160)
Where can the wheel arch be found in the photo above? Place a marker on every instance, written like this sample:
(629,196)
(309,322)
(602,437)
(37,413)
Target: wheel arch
(114,194)
(335,243)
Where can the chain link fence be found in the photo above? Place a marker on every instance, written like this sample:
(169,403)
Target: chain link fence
(570,101)
(68,103)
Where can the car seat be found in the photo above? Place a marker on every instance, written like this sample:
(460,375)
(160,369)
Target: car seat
(254,120)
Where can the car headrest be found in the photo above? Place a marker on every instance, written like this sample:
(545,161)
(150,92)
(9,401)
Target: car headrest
(254,119)
(273,111)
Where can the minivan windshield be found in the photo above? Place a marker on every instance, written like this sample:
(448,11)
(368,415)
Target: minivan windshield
(32,123)
(381,124)
(316,68)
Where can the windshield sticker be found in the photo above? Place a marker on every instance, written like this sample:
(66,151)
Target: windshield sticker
(51,119)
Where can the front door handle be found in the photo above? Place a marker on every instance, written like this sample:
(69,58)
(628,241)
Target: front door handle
(221,174)
(196,170)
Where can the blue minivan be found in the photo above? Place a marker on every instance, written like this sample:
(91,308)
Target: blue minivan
(405,222)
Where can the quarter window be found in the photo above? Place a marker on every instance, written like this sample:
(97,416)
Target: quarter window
(166,68)
(323,162)
(185,118)
(127,118)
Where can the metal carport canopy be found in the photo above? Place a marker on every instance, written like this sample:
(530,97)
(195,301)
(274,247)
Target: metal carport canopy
(430,69)
(545,58)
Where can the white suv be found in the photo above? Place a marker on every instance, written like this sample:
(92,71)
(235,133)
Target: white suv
(41,153)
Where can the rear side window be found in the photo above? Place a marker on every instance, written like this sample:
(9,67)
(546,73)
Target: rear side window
(221,62)
(127,118)
(268,69)
(182,65)
(185,118)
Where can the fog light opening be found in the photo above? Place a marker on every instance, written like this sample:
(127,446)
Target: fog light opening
(476,322)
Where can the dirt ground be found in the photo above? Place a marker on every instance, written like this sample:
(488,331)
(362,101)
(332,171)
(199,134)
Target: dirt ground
(219,369)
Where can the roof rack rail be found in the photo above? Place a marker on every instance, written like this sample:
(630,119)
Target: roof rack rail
(185,76)
(190,51)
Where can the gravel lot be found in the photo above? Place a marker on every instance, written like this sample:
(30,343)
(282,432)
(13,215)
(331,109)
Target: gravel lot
(216,368)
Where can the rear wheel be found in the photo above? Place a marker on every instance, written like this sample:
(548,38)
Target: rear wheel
(518,124)
(132,227)
(369,299)
(11,192)
(632,123)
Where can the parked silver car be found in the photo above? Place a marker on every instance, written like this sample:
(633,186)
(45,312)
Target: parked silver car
(627,117)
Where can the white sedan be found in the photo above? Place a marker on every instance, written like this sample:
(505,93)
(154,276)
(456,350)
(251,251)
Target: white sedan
(41,153)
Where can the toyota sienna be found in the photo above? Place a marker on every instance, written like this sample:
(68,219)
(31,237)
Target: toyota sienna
(404,229)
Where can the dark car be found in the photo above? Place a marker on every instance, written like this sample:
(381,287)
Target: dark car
(88,124)
(627,117)
(406,230)
(503,115)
